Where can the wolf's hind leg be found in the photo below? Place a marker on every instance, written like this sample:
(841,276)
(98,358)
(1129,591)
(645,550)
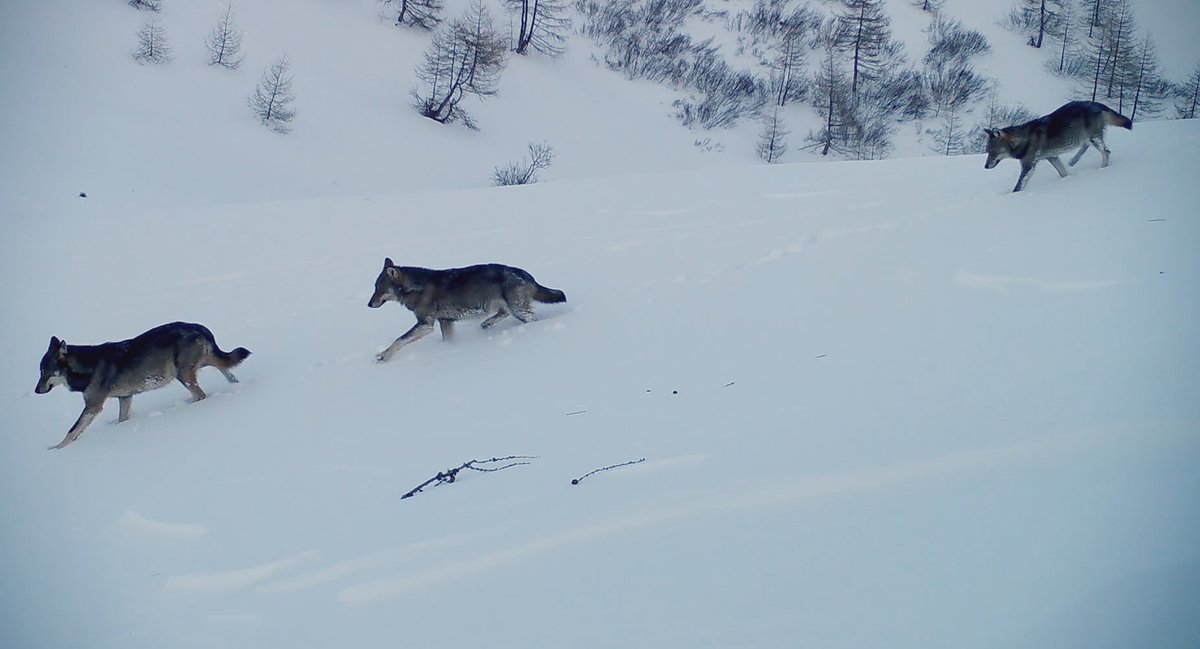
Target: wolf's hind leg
(1078,154)
(447,326)
(524,313)
(499,315)
(124,403)
(90,410)
(1098,142)
(187,376)
(1058,166)
(418,331)
(228,375)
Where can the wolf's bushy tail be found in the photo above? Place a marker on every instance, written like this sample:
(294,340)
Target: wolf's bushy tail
(548,295)
(231,359)
(1113,118)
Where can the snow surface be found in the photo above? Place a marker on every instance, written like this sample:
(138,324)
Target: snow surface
(881,404)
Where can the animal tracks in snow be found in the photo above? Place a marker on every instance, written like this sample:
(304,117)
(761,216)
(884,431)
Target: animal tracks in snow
(229,580)
(1006,283)
(133,521)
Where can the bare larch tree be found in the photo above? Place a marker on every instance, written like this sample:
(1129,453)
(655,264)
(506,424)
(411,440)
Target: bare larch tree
(542,25)
(1187,96)
(422,14)
(273,98)
(465,58)
(152,44)
(864,32)
(224,42)
(772,140)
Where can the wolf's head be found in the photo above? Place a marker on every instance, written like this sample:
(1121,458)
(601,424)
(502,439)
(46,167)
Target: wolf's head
(53,366)
(999,146)
(386,285)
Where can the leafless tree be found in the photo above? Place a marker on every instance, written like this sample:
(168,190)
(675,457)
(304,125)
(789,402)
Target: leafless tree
(772,140)
(224,42)
(146,5)
(830,96)
(950,80)
(152,44)
(950,136)
(1035,19)
(864,32)
(1146,80)
(542,25)
(1187,96)
(273,98)
(525,172)
(787,68)
(423,14)
(465,58)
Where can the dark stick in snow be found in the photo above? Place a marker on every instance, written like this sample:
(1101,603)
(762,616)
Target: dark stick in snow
(606,468)
(450,475)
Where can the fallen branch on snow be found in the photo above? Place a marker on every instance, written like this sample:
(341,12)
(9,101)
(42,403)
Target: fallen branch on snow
(450,475)
(606,468)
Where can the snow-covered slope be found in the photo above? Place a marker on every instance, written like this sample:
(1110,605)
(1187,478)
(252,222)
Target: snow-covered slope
(81,116)
(880,404)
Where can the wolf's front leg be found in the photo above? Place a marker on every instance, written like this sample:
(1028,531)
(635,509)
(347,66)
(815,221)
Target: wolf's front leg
(1026,172)
(90,410)
(418,330)
(124,403)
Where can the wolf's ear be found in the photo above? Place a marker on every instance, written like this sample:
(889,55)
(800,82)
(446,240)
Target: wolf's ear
(990,132)
(55,342)
(387,262)
(392,271)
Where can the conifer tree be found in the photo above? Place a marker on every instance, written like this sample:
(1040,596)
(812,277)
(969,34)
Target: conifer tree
(772,141)
(542,25)
(273,99)
(465,58)
(422,14)
(152,44)
(224,42)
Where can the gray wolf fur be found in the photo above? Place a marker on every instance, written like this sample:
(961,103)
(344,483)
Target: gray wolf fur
(123,369)
(1079,123)
(492,290)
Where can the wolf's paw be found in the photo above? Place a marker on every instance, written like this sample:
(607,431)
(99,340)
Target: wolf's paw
(381,357)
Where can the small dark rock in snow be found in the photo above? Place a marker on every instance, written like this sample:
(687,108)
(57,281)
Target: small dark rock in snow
(83,194)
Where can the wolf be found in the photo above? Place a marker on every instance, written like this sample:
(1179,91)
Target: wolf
(1079,123)
(123,369)
(492,290)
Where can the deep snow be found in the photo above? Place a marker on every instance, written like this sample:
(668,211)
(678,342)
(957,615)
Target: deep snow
(912,409)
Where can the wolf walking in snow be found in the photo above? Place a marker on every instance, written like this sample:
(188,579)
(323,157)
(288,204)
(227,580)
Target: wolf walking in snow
(492,290)
(1079,123)
(123,369)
